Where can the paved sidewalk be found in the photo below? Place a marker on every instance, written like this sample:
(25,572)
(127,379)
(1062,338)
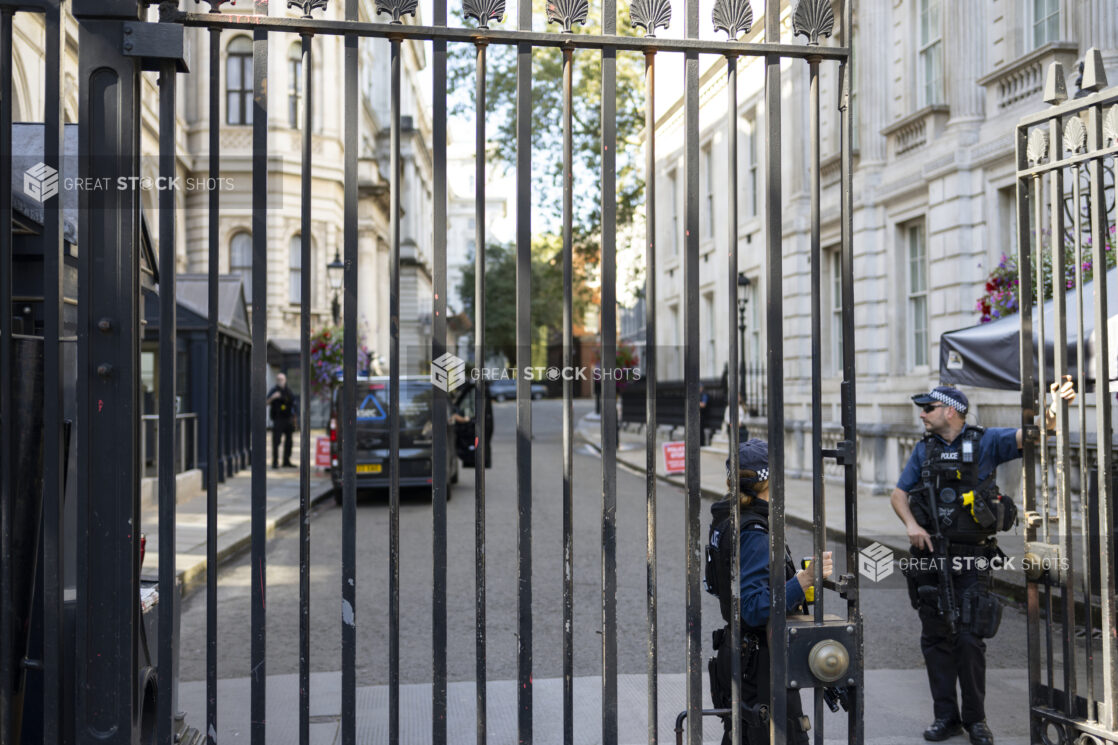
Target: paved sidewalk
(889,710)
(234,521)
(876,519)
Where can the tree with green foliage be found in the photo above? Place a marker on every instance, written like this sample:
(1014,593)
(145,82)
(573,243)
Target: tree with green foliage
(547,158)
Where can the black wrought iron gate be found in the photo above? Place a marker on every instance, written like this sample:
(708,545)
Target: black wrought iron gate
(115,44)
(1065,170)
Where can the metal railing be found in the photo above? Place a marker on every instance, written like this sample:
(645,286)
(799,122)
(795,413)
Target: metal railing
(186,447)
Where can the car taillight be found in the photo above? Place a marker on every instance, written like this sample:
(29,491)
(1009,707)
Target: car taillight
(143,547)
(333,430)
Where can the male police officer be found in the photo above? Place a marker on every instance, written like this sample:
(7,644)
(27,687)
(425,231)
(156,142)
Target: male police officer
(951,472)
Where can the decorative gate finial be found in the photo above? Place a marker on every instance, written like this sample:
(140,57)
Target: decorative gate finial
(1094,74)
(1055,88)
(307,6)
(1037,147)
(397,8)
(813,18)
(484,11)
(215,5)
(735,17)
(650,15)
(567,12)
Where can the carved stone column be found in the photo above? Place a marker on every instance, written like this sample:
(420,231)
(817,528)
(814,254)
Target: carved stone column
(964,58)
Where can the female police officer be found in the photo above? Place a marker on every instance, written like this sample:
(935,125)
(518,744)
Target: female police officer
(753,499)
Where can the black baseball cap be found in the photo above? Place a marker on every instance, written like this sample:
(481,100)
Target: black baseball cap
(753,455)
(944,394)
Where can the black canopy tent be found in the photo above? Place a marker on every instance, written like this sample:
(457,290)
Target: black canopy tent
(989,355)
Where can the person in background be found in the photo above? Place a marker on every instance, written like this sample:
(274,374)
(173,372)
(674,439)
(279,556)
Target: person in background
(282,403)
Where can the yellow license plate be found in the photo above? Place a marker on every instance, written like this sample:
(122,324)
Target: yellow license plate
(368,468)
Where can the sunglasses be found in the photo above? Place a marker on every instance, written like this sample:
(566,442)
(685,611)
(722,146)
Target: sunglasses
(929,408)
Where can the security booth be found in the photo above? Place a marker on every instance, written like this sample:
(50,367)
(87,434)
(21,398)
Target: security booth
(234,349)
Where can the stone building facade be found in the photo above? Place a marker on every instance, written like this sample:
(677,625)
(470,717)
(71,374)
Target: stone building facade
(285,111)
(938,87)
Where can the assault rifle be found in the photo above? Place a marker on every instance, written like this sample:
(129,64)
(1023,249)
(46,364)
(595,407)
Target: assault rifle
(942,596)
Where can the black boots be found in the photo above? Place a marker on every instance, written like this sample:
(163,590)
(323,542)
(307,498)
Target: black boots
(942,729)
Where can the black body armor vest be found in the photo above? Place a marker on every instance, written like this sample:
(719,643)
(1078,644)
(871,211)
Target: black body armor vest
(717,575)
(969,511)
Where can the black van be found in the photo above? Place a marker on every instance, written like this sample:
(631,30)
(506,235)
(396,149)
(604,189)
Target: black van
(416,441)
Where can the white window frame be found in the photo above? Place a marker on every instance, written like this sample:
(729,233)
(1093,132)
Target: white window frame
(1035,24)
(834,264)
(240,260)
(707,161)
(295,270)
(237,58)
(929,34)
(294,86)
(712,334)
(673,189)
(916,291)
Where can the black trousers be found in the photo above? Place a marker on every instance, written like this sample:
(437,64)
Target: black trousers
(755,690)
(283,428)
(948,658)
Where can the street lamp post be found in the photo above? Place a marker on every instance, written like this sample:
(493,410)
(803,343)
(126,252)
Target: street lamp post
(335,270)
(743,303)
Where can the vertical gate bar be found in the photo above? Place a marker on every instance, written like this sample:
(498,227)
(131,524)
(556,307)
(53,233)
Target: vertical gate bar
(108,481)
(1059,367)
(1080,365)
(168,348)
(692,433)
(441,487)
(1104,431)
(258,391)
(7,656)
(650,388)
(54,444)
(306,266)
(1028,399)
(480,394)
(349,390)
(393,404)
(523,392)
(855,715)
(818,504)
(216,388)
(609,383)
(568,407)
(732,381)
(1042,351)
(778,673)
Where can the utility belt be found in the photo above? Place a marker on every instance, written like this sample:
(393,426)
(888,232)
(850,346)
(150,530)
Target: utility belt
(979,610)
(718,667)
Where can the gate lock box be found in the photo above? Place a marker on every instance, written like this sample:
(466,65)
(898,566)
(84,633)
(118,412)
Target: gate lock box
(823,654)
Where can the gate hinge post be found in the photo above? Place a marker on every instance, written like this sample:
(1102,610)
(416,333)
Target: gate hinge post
(154,43)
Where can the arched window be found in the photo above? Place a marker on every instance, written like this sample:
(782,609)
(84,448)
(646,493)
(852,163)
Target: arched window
(240,260)
(238,82)
(295,271)
(294,85)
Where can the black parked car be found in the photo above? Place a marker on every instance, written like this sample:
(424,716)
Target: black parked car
(504,389)
(416,440)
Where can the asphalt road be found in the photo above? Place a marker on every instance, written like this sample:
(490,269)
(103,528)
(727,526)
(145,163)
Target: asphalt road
(891,626)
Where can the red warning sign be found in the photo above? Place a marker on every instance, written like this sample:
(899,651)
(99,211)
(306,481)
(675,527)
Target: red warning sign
(674,457)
